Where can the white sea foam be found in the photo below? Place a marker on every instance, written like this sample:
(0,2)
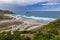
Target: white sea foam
(37,18)
(42,19)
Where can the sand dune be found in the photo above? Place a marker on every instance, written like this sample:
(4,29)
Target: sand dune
(27,24)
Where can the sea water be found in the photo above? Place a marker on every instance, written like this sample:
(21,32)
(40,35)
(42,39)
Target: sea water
(42,16)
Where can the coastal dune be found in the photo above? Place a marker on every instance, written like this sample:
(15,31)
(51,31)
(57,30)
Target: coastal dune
(26,24)
(17,23)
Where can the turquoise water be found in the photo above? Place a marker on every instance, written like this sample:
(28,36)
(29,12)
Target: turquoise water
(48,14)
(42,16)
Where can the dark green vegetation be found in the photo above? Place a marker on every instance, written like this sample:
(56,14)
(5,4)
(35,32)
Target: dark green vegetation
(47,32)
(10,36)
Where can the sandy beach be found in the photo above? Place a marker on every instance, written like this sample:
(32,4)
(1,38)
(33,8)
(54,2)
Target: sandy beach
(27,24)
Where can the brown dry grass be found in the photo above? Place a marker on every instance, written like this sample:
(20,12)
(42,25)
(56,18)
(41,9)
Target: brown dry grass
(31,36)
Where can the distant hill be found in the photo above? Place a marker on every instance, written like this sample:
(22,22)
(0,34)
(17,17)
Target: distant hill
(3,17)
(6,12)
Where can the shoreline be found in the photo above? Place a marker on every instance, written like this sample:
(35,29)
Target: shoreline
(26,24)
(38,19)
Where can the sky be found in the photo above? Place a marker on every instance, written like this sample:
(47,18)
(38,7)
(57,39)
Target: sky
(30,5)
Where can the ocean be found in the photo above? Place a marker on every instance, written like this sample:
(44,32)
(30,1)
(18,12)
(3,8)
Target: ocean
(42,16)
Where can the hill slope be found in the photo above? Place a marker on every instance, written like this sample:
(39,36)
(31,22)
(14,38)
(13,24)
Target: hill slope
(50,31)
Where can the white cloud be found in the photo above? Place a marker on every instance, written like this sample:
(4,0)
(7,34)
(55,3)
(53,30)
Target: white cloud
(29,2)
(51,3)
(6,1)
(21,2)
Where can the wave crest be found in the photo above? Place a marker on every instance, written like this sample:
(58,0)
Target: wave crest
(41,19)
(33,17)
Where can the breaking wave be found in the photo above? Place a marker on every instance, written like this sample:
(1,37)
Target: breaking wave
(33,17)
(41,19)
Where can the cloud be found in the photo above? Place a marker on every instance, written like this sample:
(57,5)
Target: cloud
(29,2)
(20,2)
(6,1)
(51,3)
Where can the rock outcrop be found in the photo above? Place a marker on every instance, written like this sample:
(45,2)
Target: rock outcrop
(6,12)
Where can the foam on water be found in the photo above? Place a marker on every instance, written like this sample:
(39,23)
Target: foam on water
(41,19)
(33,17)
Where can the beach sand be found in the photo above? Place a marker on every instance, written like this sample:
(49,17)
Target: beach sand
(27,24)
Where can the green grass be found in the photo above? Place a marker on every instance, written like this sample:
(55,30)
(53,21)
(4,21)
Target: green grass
(50,31)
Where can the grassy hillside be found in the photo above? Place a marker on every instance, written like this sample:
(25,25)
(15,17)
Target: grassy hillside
(55,25)
(50,31)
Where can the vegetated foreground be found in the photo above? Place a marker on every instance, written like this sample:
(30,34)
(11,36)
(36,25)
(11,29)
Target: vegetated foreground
(47,32)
